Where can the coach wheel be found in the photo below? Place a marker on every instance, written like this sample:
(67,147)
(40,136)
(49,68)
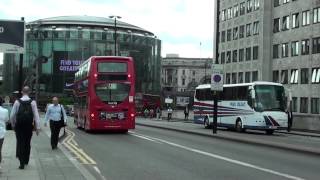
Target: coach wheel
(206,123)
(239,126)
(269,131)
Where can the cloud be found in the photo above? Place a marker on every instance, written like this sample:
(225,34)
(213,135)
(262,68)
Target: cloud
(179,23)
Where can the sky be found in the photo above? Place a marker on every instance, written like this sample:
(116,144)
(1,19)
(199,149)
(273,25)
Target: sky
(182,25)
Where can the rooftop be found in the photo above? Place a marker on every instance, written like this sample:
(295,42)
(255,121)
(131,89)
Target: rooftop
(85,21)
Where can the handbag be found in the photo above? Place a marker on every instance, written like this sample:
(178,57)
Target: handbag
(62,124)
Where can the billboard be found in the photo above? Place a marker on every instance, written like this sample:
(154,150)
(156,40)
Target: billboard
(12,36)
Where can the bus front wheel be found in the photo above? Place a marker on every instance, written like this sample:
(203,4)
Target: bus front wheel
(269,131)
(239,126)
(207,123)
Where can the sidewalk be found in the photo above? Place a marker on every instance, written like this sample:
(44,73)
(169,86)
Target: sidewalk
(45,164)
(291,142)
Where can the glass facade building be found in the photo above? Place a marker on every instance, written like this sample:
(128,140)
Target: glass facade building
(67,41)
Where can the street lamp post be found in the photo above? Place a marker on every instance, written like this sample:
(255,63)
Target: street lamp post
(115,33)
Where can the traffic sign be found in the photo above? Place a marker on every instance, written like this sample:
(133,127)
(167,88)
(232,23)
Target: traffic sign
(217,77)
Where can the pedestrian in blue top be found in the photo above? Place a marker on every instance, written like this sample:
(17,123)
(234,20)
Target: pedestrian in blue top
(57,116)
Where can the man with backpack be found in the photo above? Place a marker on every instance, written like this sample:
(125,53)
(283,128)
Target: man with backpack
(24,119)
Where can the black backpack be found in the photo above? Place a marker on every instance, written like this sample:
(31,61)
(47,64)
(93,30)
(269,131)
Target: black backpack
(25,113)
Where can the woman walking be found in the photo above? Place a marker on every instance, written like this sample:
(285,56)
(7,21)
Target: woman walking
(4,117)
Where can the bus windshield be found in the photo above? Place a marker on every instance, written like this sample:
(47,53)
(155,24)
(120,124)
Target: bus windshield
(270,98)
(112,92)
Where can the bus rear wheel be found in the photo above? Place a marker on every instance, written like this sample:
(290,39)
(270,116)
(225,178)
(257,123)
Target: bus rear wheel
(239,126)
(269,131)
(206,123)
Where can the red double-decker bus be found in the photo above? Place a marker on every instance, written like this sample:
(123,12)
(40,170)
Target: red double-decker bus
(104,91)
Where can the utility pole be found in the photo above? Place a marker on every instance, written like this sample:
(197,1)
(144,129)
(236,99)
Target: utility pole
(115,33)
(20,79)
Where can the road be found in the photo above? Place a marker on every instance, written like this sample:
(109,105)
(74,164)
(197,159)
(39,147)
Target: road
(150,153)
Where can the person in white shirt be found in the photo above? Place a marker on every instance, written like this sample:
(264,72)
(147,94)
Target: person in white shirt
(4,118)
(24,119)
(57,116)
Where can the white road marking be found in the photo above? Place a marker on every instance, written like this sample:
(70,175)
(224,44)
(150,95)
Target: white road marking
(143,137)
(153,139)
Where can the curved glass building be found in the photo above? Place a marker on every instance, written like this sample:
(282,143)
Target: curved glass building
(64,42)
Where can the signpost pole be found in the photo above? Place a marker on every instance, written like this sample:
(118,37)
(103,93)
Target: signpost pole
(20,80)
(215,112)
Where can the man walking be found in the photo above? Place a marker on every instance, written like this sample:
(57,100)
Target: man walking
(57,116)
(24,118)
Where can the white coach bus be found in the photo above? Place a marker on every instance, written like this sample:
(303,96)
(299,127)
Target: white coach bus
(257,105)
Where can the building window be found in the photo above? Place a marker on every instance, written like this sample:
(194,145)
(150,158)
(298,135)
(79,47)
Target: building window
(276,3)
(193,73)
(228,56)
(241,55)
(241,31)
(229,35)
(294,104)
(223,56)
(285,50)
(285,23)
(315,104)
(248,54)
(305,18)
(315,77)
(295,48)
(305,44)
(316,45)
(275,51)
(284,77)
(304,105)
(234,78)
(223,15)
(229,13)
(255,28)
(247,77)
(276,25)
(183,72)
(316,15)
(240,77)
(236,10)
(235,56)
(223,36)
(254,76)
(183,82)
(228,80)
(255,50)
(295,20)
(242,8)
(235,33)
(256,4)
(294,76)
(249,5)
(285,1)
(275,76)
(248,30)
(304,76)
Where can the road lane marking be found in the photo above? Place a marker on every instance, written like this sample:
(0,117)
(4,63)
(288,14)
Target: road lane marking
(71,144)
(233,161)
(143,137)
